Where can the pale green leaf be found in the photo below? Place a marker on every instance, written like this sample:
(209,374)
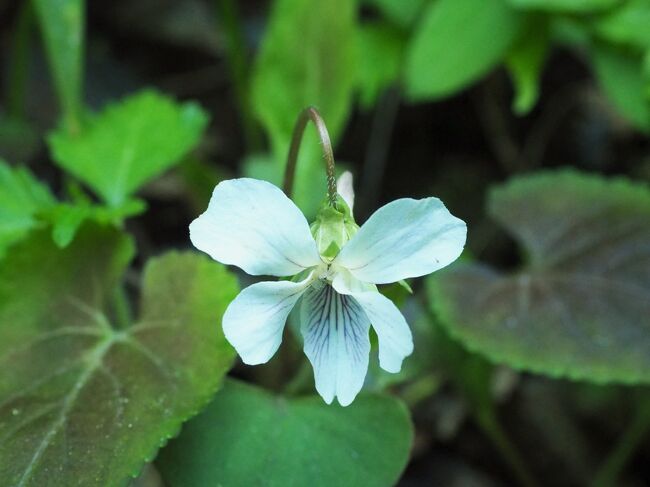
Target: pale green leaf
(130,143)
(579,308)
(62,26)
(456,43)
(249,437)
(22,197)
(307,57)
(86,403)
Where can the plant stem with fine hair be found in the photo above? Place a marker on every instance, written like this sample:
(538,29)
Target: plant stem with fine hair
(311,114)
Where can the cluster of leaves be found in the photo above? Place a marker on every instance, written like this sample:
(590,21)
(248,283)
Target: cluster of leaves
(94,392)
(431,49)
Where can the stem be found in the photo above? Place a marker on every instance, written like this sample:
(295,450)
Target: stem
(230,22)
(490,424)
(636,431)
(310,113)
(19,61)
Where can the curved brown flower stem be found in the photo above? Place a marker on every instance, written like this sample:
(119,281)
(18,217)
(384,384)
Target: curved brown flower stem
(310,113)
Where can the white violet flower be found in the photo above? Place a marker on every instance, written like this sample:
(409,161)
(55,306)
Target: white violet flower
(253,225)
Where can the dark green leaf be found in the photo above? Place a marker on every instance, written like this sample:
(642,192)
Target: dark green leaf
(130,143)
(248,437)
(62,25)
(457,42)
(621,76)
(22,197)
(80,389)
(579,308)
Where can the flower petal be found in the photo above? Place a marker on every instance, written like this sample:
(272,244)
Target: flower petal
(345,188)
(394,334)
(405,238)
(253,225)
(254,321)
(335,330)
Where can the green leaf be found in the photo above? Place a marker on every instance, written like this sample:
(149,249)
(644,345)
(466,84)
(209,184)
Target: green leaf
(81,389)
(399,12)
(22,197)
(67,218)
(579,308)
(307,58)
(381,50)
(130,143)
(457,42)
(628,24)
(62,25)
(250,437)
(621,76)
(525,63)
(568,6)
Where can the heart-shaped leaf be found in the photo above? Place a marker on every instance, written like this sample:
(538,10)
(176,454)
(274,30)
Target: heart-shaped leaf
(129,143)
(581,306)
(84,403)
(250,437)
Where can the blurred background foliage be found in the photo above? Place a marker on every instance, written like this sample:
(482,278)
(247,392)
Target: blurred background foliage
(529,118)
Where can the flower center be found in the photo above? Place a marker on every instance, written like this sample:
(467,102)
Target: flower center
(326,272)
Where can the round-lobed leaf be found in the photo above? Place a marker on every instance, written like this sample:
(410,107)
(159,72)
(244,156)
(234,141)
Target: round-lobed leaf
(248,437)
(129,143)
(580,307)
(22,197)
(85,403)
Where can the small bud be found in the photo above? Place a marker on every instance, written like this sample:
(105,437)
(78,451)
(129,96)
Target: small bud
(333,227)
(345,188)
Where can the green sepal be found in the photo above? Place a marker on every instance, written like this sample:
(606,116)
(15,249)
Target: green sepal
(405,285)
(333,227)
